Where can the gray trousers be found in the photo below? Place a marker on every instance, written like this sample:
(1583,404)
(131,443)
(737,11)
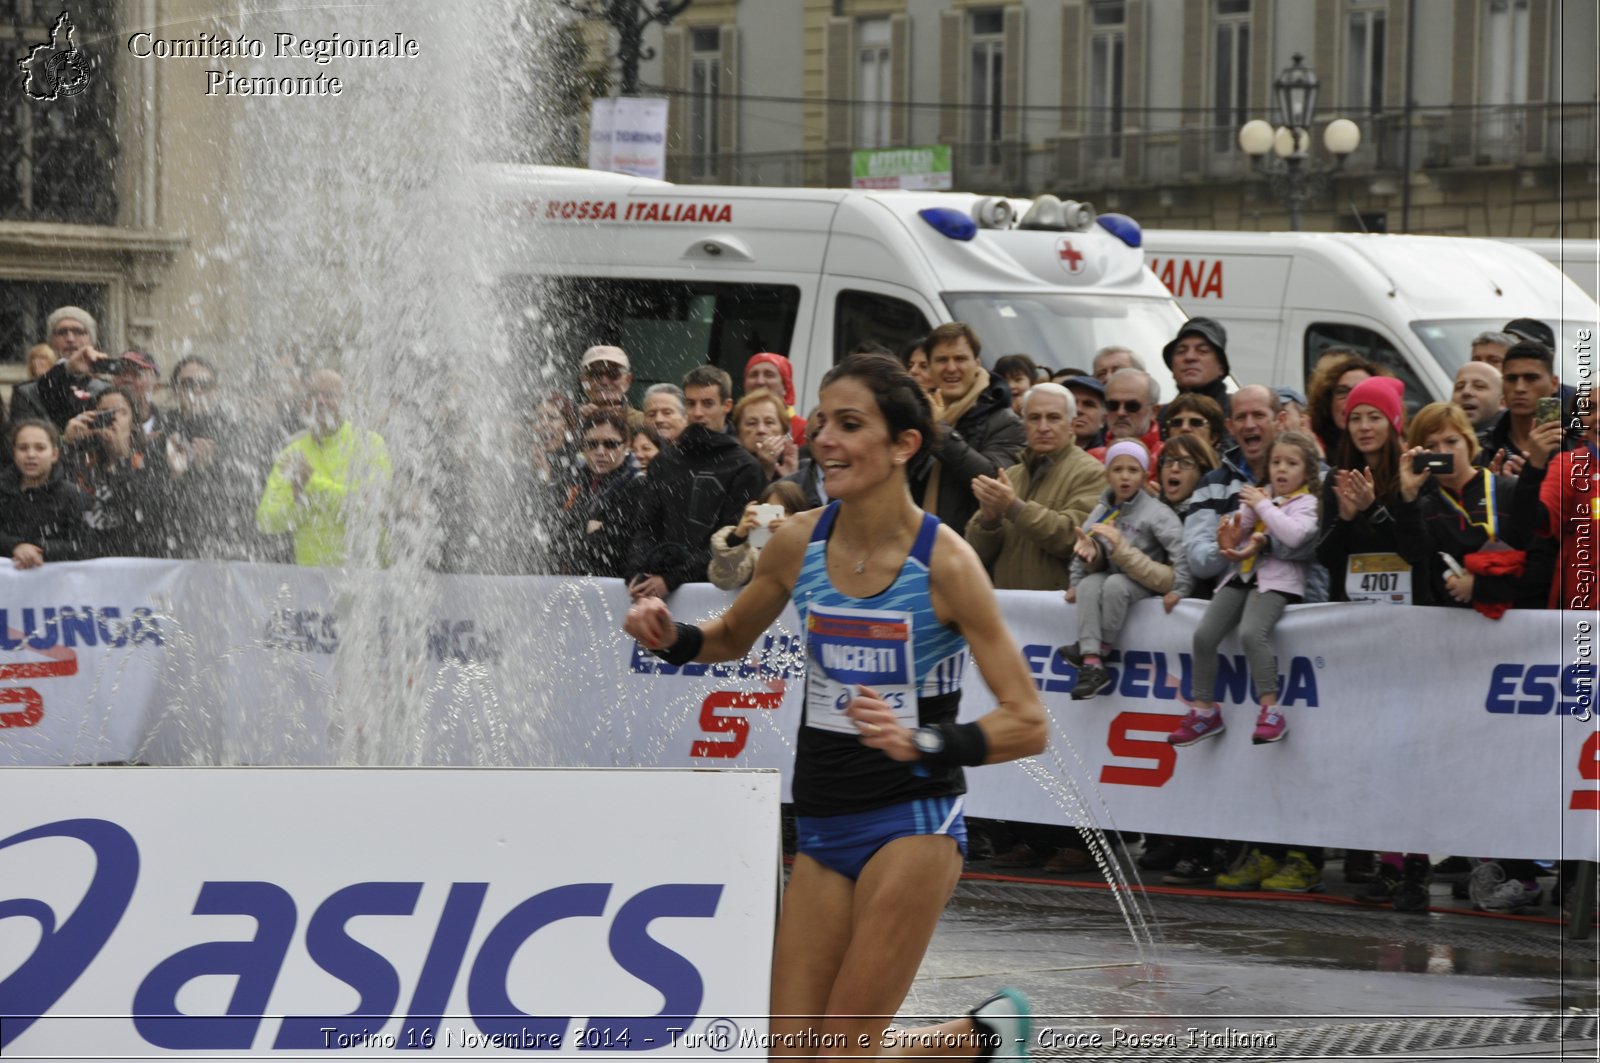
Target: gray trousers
(1255,614)
(1103,601)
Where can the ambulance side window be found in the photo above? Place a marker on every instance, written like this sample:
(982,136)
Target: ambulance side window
(860,316)
(1369,344)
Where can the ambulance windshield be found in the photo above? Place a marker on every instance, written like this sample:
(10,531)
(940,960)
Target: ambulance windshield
(1061,329)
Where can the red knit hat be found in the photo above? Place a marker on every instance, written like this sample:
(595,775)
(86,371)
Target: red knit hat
(1384,394)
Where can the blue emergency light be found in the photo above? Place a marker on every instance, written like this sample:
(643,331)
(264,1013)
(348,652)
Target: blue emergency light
(952,223)
(1123,228)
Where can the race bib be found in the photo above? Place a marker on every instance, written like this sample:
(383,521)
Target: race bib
(846,647)
(1378,578)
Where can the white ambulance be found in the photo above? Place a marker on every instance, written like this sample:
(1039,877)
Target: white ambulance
(1413,303)
(680,275)
(1578,259)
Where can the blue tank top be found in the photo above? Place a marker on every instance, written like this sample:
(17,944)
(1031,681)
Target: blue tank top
(892,633)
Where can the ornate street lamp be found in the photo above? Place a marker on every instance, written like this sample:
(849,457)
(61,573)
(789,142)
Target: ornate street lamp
(1292,176)
(629,18)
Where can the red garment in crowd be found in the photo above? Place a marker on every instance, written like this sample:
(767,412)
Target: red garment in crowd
(797,424)
(1151,441)
(1571,496)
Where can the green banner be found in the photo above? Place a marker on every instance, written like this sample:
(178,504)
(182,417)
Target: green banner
(912,168)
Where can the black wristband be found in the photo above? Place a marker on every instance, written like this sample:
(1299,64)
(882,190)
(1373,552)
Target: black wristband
(686,648)
(964,746)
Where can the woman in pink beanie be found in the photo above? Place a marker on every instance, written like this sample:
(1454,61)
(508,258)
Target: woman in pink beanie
(1376,549)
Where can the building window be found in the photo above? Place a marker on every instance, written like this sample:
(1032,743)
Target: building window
(58,157)
(705,91)
(1505,52)
(988,59)
(1363,60)
(873,83)
(1107,46)
(1230,56)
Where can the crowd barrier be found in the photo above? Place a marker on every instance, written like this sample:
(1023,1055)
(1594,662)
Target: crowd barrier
(1426,730)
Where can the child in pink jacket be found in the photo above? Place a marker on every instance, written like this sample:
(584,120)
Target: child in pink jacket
(1257,588)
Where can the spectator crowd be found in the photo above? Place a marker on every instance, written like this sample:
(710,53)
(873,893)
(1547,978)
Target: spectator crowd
(1074,480)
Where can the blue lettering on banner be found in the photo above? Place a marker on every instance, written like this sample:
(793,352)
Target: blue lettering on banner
(314,631)
(1539,689)
(777,657)
(66,950)
(72,626)
(1162,676)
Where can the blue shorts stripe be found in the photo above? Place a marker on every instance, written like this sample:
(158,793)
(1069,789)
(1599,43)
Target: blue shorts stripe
(845,843)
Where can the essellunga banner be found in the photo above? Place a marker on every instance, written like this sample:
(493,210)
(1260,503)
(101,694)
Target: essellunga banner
(266,911)
(1411,729)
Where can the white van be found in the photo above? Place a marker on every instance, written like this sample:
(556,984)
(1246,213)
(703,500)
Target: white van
(680,275)
(1578,259)
(1413,303)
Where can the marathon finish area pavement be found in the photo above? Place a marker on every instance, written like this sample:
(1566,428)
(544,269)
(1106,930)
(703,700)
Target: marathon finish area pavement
(1260,976)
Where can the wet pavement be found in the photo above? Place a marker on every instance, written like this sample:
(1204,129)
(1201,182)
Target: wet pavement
(1259,976)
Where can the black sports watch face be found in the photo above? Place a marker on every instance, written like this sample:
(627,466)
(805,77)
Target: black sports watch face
(928,740)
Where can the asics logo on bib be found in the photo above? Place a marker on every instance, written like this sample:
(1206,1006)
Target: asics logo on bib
(1539,689)
(618,924)
(1162,675)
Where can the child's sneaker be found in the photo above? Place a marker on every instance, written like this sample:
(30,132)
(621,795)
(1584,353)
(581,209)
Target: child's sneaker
(1005,1025)
(1195,726)
(1270,726)
(1092,679)
(1297,875)
(1071,654)
(1256,867)
(1492,891)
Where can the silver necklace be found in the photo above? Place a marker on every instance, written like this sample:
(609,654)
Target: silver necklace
(861,565)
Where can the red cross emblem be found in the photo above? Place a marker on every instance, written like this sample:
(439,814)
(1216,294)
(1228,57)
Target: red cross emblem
(1071,258)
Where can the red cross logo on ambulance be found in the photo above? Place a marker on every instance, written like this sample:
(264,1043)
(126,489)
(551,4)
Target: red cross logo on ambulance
(1070,257)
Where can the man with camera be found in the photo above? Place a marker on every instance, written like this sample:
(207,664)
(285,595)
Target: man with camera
(69,387)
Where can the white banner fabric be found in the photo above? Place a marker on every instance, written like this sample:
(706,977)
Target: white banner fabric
(1417,730)
(208,912)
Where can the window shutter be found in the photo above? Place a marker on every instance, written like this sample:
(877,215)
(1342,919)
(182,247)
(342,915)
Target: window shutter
(1011,126)
(1538,73)
(675,72)
(837,61)
(900,80)
(728,96)
(951,127)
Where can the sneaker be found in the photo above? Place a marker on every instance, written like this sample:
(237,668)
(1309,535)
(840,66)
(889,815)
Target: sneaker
(1005,1024)
(1270,726)
(1071,654)
(1492,892)
(1411,895)
(1069,861)
(1297,875)
(1358,865)
(1159,854)
(1020,855)
(1092,679)
(1256,867)
(1381,890)
(1191,871)
(1196,726)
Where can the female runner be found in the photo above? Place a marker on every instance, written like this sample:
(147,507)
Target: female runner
(891,602)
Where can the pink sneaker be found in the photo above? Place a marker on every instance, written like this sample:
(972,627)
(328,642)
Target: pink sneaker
(1270,726)
(1196,726)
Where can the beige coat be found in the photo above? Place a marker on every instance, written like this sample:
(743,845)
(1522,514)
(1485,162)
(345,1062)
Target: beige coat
(1034,550)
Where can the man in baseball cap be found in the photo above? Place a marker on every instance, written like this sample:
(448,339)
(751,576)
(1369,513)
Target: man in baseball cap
(1089,426)
(138,376)
(1198,358)
(1527,328)
(606,377)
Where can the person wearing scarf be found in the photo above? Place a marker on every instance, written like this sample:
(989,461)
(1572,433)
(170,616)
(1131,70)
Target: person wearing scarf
(979,433)
(775,373)
(1467,516)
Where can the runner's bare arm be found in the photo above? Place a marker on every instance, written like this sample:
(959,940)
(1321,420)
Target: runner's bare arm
(730,636)
(964,598)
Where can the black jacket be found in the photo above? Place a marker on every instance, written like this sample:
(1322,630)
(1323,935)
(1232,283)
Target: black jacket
(63,396)
(130,507)
(1391,526)
(601,522)
(701,484)
(50,516)
(1449,533)
(989,437)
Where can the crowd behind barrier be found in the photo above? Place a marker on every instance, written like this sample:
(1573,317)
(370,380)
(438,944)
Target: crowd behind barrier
(1085,487)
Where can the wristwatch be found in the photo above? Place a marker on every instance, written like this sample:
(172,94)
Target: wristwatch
(929,740)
